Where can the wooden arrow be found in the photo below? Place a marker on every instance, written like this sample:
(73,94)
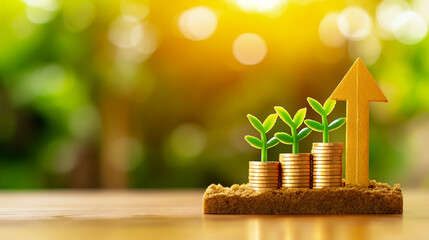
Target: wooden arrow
(358,88)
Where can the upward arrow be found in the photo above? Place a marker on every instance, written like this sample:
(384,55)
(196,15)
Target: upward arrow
(358,88)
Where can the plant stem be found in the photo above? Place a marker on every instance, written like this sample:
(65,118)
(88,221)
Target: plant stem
(264,147)
(325,129)
(295,147)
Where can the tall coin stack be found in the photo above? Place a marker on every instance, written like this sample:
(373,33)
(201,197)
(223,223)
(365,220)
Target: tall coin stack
(295,171)
(264,175)
(327,164)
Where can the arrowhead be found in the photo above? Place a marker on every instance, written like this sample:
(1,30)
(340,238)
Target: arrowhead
(358,83)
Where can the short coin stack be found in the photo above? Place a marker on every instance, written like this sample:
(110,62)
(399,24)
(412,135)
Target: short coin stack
(264,175)
(295,171)
(327,164)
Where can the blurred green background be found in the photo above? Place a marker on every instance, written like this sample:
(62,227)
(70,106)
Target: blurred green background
(154,94)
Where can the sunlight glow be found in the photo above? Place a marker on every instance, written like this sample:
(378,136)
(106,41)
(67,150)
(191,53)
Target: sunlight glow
(369,49)
(249,48)
(198,23)
(329,32)
(260,6)
(355,23)
(409,27)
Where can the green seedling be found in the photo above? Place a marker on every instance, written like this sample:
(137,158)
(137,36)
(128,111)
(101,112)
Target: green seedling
(324,111)
(263,128)
(294,124)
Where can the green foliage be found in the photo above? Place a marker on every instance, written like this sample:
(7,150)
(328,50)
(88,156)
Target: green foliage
(324,111)
(294,124)
(263,128)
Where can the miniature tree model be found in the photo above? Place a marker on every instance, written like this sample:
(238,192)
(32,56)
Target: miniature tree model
(294,124)
(263,128)
(324,111)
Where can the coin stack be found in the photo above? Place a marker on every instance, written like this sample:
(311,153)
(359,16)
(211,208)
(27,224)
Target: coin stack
(264,175)
(295,171)
(327,164)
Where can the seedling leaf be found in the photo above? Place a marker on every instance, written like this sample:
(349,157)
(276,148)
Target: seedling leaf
(337,123)
(329,105)
(303,133)
(255,123)
(269,122)
(316,106)
(284,138)
(272,142)
(299,117)
(314,125)
(255,142)
(285,116)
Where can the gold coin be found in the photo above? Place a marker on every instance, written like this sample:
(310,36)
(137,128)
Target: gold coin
(327,155)
(295,178)
(300,182)
(303,166)
(264,174)
(263,179)
(296,175)
(263,170)
(326,185)
(263,185)
(327,144)
(273,174)
(322,161)
(264,189)
(296,163)
(326,166)
(294,155)
(259,168)
(327,158)
(260,185)
(330,174)
(295,158)
(326,151)
(326,181)
(296,186)
(258,163)
(328,148)
(317,168)
(305,169)
(327,161)
(327,177)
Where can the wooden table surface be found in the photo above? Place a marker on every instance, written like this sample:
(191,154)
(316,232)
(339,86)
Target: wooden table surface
(177,215)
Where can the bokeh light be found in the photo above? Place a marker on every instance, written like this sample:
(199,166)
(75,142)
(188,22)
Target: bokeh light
(369,49)
(198,23)
(388,10)
(133,10)
(260,6)
(329,32)
(422,8)
(249,49)
(355,23)
(409,27)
